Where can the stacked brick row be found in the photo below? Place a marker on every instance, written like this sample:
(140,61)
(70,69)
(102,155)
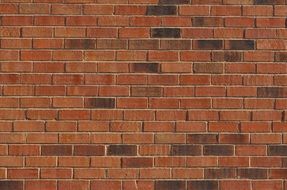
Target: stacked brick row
(143,94)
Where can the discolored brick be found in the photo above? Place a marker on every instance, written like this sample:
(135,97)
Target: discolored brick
(215,68)
(185,150)
(122,150)
(80,43)
(251,173)
(277,150)
(146,91)
(161,10)
(56,150)
(202,185)
(11,185)
(175,44)
(227,56)
(208,44)
(174,2)
(281,56)
(100,102)
(165,33)
(145,67)
(207,21)
(269,2)
(218,150)
(89,150)
(271,92)
(221,173)
(170,185)
(202,138)
(140,162)
(240,45)
(143,44)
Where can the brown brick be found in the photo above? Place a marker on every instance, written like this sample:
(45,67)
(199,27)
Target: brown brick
(174,1)
(170,185)
(56,150)
(269,2)
(277,150)
(146,91)
(11,185)
(281,56)
(137,162)
(143,44)
(175,44)
(122,150)
(145,67)
(240,45)
(89,150)
(251,173)
(80,43)
(111,44)
(215,68)
(221,173)
(185,150)
(202,185)
(207,21)
(271,92)
(218,150)
(234,138)
(161,10)
(165,33)
(100,102)
(208,44)
(202,138)
(227,56)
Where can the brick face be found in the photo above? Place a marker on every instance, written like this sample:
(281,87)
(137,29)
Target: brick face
(143,94)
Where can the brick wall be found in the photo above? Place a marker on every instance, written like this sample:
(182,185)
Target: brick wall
(143,94)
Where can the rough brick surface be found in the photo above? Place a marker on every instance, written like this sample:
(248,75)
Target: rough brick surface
(143,94)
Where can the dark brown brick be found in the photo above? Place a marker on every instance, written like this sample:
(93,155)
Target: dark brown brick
(161,10)
(143,44)
(100,102)
(146,91)
(188,150)
(221,173)
(277,150)
(284,162)
(271,92)
(165,33)
(137,162)
(122,150)
(240,44)
(175,44)
(170,185)
(145,67)
(11,185)
(208,68)
(281,56)
(56,150)
(218,150)
(208,44)
(89,150)
(234,138)
(207,21)
(269,2)
(251,173)
(202,185)
(174,1)
(112,44)
(227,56)
(202,138)
(80,43)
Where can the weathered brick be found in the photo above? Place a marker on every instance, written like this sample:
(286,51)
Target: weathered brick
(227,56)
(218,150)
(207,21)
(146,91)
(170,185)
(80,43)
(202,185)
(89,150)
(271,92)
(161,10)
(185,150)
(221,173)
(202,138)
(141,162)
(145,67)
(100,102)
(56,150)
(208,44)
(240,44)
(174,2)
(175,44)
(277,150)
(280,56)
(122,150)
(11,185)
(215,68)
(269,2)
(165,33)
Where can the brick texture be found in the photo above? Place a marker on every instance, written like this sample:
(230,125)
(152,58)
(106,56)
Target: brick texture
(143,94)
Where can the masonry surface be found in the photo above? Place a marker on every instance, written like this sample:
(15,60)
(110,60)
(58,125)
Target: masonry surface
(143,95)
